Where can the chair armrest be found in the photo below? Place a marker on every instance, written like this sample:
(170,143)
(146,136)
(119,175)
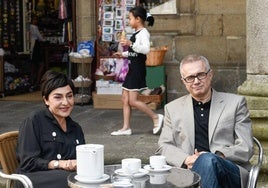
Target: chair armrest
(255,169)
(260,157)
(27,183)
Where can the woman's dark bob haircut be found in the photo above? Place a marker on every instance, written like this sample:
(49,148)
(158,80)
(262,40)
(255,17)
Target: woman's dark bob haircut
(52,80)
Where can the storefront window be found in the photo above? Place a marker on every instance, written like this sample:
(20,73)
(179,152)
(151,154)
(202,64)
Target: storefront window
(160,6)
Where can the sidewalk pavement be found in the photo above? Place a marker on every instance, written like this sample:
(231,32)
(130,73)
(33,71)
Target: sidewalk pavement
(97,125)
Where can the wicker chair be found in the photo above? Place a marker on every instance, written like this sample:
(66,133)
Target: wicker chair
(255,169)
(9,162)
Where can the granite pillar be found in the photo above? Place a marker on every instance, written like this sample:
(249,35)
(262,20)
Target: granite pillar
(255,88)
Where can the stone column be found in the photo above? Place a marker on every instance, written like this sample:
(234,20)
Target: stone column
(255,88)
(85,27)
(86,20)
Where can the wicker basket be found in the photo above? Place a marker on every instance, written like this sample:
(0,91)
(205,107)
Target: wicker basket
(156,56)
(85,83)
(81,98)
(80,60)
(104,77)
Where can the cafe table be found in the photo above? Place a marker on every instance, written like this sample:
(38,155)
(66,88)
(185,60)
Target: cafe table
(171,178)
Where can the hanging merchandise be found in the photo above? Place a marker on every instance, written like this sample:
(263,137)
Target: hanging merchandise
(69,31)
(65,15)
(40,5)
(11,24)
(122,69)
(62,10)
(63,33)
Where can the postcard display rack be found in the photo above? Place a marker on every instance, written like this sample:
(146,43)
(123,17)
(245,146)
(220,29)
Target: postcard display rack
(112,21)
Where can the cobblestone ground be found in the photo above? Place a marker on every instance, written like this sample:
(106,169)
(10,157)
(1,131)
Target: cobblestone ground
(97,126)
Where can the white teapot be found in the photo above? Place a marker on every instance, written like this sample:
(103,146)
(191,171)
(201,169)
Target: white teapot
(90,161)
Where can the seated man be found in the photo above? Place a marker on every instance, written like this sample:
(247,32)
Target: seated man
(207,131)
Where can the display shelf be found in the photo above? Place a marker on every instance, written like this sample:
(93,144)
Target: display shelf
(112,21)
(155,77)
(83,86)
(83,59)
(114,101)
(83,83)
(11,24)
(17,80)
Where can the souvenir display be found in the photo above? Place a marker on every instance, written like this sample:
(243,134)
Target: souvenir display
(55,25)
(112,21)
(11,22)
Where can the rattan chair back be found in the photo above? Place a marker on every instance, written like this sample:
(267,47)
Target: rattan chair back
(8,144)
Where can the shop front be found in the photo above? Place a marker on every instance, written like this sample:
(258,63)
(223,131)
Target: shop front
(21,21)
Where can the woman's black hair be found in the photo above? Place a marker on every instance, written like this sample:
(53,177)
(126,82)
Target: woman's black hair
(52,80)
(141,12)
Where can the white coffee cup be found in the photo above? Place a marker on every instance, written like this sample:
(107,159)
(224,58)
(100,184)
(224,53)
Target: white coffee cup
(131,165)
(118,180)
(158,179)
(157,161)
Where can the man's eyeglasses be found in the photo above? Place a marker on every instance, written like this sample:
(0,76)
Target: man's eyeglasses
(199,76)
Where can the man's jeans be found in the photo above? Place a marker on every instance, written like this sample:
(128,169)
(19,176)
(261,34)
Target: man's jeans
(217,172)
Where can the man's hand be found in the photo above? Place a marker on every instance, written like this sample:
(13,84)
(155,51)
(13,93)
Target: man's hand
(220,154)
(190,160)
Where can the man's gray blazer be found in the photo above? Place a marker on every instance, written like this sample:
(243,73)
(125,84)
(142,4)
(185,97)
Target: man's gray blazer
(229,130)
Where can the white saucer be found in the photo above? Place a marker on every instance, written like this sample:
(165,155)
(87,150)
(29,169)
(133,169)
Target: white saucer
(165,168)
(122,184)
(87,180)
(141,179)
(142,172)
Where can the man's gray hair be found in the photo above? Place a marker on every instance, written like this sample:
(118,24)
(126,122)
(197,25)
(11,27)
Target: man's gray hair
(192,58)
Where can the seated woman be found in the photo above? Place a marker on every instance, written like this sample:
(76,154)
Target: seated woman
(48,137)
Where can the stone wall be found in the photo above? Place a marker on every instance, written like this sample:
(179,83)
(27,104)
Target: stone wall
(215,29)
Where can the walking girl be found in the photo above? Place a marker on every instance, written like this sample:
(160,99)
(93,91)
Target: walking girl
(138,47)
